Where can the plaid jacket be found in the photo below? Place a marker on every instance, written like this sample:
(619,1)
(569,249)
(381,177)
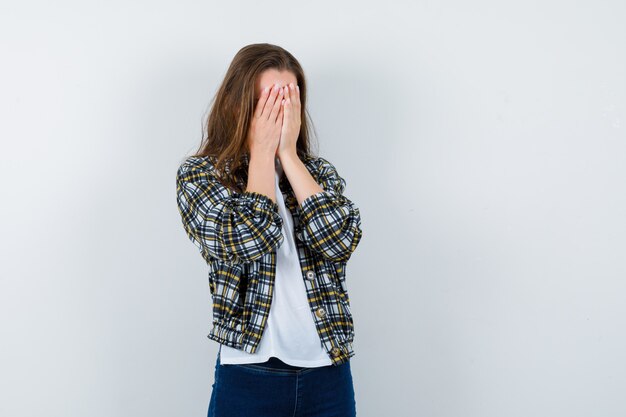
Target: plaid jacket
(237,234)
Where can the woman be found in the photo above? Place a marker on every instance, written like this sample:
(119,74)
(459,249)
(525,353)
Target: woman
(272,223)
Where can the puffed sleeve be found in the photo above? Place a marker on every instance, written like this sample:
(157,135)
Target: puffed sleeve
(331,222)
(223,224)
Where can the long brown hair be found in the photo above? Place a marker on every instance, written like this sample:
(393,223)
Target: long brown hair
(232,108)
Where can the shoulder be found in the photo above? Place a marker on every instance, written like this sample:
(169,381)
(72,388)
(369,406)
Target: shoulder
(194,165)
(326,174)
(323,168)
(319,164)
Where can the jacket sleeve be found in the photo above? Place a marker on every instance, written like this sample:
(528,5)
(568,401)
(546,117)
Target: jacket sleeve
(223,224)
(330,222)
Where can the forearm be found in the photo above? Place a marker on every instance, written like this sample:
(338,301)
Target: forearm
(300,179)
(261,171)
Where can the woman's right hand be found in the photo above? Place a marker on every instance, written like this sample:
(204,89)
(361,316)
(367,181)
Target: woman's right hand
(267,121)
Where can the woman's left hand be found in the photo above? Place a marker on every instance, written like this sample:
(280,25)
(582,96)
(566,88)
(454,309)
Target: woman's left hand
(291,120)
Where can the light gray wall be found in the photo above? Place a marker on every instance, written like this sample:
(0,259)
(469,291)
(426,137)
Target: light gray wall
(483,141)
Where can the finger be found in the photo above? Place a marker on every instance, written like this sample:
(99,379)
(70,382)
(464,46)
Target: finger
(280,119)
(258,109)
(277,105)
(291,92)
(296,98)
(287,106)
(281,113)
(279,122)
(270,104)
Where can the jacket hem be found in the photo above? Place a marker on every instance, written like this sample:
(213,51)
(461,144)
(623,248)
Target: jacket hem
(234,338)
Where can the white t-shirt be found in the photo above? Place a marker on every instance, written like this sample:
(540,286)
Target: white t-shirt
(290,332)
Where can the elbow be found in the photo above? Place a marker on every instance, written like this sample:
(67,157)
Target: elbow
(250,243)
(242,252)
(336,242)
(244,240)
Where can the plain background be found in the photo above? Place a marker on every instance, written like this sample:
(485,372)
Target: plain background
(483,141)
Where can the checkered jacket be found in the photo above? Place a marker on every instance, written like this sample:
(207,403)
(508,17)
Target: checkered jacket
(237,234)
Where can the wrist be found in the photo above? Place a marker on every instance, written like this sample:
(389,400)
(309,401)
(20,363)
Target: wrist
(288,155)
(261,157)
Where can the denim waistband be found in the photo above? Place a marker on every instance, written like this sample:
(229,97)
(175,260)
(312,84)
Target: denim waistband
(273,362)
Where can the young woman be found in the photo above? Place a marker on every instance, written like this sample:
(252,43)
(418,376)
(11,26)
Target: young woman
(276,230)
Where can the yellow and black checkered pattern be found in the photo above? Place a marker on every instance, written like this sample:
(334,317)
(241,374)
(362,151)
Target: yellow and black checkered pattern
(238,233)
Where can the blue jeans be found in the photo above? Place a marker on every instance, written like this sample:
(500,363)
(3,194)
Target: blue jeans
(274,388)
